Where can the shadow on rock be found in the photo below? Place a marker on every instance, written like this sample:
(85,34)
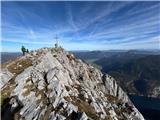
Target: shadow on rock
(10,107)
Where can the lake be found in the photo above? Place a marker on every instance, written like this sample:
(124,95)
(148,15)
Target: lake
(149,107)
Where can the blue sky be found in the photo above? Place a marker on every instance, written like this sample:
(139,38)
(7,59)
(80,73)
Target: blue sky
(80,25)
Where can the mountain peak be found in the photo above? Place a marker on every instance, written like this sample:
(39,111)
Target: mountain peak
(50,83)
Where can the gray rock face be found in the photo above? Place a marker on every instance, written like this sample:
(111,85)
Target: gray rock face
(5,77)
(58,86)
(155,92)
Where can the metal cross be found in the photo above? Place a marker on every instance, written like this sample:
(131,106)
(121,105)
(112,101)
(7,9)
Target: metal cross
(56,39)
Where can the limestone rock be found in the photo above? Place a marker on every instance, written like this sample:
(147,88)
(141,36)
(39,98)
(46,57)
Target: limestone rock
(5,77)
(58,86)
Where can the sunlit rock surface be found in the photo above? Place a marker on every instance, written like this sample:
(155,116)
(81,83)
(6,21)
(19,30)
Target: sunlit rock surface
(5,77)
(54,85)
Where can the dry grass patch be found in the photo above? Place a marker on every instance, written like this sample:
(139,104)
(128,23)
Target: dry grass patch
(44,98)
(84,106)
(119,112)
(18,66)
(67,98)
(27,89)
(6,92)
(112,99)
(108,117)
(48,112)
(78,87)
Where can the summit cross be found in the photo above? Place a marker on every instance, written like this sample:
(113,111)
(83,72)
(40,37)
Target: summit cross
(56,44)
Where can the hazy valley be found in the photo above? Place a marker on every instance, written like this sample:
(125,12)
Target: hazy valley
(137,71)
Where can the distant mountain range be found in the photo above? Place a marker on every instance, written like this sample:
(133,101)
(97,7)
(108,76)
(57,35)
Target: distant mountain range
(139,75)
(137,72)
(6,56)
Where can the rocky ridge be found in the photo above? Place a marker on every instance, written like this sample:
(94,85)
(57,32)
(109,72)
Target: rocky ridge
(51,84)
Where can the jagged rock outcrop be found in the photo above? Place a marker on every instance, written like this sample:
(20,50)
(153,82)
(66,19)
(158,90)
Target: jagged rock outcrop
(5,77)
(53,85)
(155,92)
